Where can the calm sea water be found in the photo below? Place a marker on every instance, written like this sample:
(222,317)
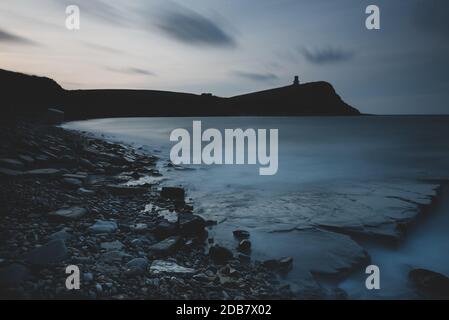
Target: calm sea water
(316,154)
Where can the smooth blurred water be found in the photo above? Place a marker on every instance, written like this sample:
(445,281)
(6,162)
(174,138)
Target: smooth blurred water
(316,154)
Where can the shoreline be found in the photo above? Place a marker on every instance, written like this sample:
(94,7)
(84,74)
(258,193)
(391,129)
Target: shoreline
(65,203)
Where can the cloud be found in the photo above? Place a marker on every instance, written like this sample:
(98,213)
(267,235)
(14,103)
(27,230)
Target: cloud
(99,9)
(327,55)
(103,48)
(12,38)
(261,77)
(132,70)
(192,28)
(431,15)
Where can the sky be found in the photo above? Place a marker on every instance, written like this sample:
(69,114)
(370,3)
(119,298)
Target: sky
(230,47)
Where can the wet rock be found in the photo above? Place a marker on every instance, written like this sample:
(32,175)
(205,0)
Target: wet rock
(433,284)
(54,116)
(71,183)
(136,266)
(78,176)
(165,229)
(166,246)
(114,256)
(102,226)
(244,258)
(173,193)
(241,234)
(9,172)
(285,264)
(190,224)
(61,235)
(85,191)
(71,213)
(53,252)
(11,164)
(161,266)
(13,275)
(113,245)
(44,173)
(282,265)
(88,277)
(87,164)
(219,254)
(244,246)
(121,190)
(26,159)
(139,227)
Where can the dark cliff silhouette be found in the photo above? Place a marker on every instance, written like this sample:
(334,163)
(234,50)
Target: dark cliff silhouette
(25,94)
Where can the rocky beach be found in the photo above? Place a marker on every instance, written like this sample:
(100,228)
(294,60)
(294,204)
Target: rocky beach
(66,199)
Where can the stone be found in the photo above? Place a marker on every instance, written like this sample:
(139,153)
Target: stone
(26,159)
(137,266)
(165,229)
(102,226)
(161,266)
(241,234)
(71,213)
(88,277)
(52,252)
(71,183)
(173,193)
(9,172)
(81,177)
(11,163)
(190,224)
(219,254)
(54,116)
(166,246)
(44,173)
(122,190)
(113,245)
(285,264)
(433,284)
(61,235)
(13,275)
(244,246)
(139,227)
(114,256)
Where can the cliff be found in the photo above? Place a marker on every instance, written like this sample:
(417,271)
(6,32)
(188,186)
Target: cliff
(30,95)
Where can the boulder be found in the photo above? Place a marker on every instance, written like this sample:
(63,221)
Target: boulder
(166,246)
(13,275)
(137,266)
(164,229)
(219,254)
(54,116)
(190,224)
(11,164)
(71,183)
(241,234)
(71,213)
(122,190)
(173,193)
(244,246)
(5,172)
(61,235)
(161,266)
(433,284)
(112,245)
(114,256)
(53,252)
(102,226)
(44,173)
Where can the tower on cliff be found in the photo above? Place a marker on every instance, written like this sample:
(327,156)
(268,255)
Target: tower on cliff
(296,81)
